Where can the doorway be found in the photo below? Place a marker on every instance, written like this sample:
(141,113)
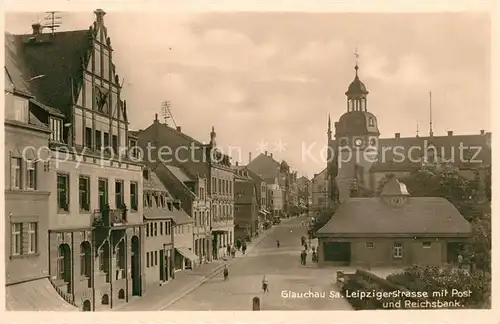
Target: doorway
(136,266)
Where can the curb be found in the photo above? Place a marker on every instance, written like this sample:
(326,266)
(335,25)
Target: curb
(212,274)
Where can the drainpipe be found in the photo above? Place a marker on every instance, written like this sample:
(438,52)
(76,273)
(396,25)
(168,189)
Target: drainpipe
(92,262)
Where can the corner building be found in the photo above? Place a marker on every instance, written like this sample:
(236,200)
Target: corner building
(95,238)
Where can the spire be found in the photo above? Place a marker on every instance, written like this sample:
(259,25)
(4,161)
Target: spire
(430,114)
(212,136)
(356,93)
(417,130)
(329,128)
(356,55)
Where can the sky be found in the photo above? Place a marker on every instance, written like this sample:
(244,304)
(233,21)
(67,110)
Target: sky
(272,78)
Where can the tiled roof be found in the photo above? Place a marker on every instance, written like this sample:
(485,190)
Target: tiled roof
(61,59)
(154,183)
(179,173)
(244,192)
(14,65)
(265,166)
(417,215)
(180,217)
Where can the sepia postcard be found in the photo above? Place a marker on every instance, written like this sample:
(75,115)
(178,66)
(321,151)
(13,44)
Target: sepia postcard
(241,160)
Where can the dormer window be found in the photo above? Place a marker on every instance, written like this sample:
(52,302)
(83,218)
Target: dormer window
(371,122)
(56,128)
(19,109)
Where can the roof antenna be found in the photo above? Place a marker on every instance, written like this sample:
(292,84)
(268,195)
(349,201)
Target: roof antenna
(167,112)
(52,21)
(430,114)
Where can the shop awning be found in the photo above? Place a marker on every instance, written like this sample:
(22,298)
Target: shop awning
(36,295)
(187,253)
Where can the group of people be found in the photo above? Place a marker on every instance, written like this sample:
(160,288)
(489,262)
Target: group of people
(303,254)
(239,246)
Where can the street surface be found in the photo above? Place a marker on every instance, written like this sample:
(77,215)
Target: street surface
(284,273)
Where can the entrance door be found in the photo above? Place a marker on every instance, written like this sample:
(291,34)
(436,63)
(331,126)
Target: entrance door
(337,252)
(136,267)
(162,265)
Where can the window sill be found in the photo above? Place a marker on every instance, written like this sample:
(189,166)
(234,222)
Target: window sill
(25,256)
(84,211)
(397,258)
(63,212)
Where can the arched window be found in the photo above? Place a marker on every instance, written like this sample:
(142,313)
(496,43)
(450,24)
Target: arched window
(105,299)
(121,294)
(87,306)
(121,253)
(85,259)
(64,263)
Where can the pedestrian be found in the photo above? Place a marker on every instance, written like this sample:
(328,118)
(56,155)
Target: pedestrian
(238,244)
(233,251)
(244,248)
(314,257)
(305,247)
(303,257)
(226,273)
(265,284)
(228,249)
(278,243)
(302,241)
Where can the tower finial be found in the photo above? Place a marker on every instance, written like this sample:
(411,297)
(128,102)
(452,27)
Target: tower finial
(356,55)
(417,129)
(329,127)
(431,133)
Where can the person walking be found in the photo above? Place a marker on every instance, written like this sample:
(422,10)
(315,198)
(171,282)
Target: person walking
(226,273)
(233,251)
(278,243)
(238,244)
(303,256)
(265,284)
(244,248)
(228,249)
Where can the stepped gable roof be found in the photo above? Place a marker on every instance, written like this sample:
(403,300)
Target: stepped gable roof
(414,216)
(61,57)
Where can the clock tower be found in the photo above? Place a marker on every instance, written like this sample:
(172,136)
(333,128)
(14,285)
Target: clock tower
(356,139)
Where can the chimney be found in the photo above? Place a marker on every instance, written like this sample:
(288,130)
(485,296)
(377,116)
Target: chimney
(265,153)
(179,129)
(450,133)
(482,131)
(156,118)
(37,29)
(236,163)
(397,135)
(249,157)
(271,155)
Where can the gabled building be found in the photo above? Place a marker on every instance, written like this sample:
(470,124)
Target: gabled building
(319,194)
(95,218)
(27,197)
(200,161)
(246,209)
(159,223)
(394,229)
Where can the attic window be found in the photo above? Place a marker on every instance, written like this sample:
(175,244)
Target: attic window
(169,205)
(426,245)
(371,122)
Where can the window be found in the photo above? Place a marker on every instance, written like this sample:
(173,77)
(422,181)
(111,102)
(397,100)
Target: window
(219,187)
(32,237)
(106,140)
(157,200)
(20,107)
(371,122)
(84,189)
(30,175)
(17,233)
(56,129)
(426,245)
(98,140)
(145,174)
(161,228)
(85,260)
(147,230)
(230,188)
(370,245)
(152,260)
(147,259)
(397,250)
(167,227)
(63,192)
(213,185)
(114,144)
(102,188)
(151,229)
(119,194)
(16,173)
(88,137)
(133,196)
(156,258)
(156,229)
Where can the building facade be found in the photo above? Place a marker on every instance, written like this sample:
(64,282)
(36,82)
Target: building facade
(200,160)
(159,234)
(400,231)
(28,286)
(95,214)
(319,194)
(247,218)
(358,156)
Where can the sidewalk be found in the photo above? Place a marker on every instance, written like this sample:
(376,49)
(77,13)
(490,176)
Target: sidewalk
(161,297)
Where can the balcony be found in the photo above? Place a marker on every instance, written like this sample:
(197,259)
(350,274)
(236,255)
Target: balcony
(109,217)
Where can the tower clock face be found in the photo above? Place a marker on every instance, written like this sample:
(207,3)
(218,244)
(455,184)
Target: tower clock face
(358,142)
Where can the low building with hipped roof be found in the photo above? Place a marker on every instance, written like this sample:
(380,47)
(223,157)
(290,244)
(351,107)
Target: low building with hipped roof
(394,229)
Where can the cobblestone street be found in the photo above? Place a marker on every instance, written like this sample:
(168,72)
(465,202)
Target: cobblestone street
(284,272)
